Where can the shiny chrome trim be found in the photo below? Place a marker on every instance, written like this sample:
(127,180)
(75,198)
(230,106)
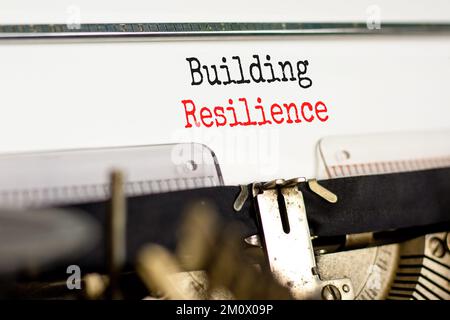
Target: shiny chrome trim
(165,31)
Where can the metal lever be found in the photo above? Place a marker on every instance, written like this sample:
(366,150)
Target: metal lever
(291,255)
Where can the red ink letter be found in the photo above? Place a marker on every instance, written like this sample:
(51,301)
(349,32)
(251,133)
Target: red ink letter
(205,113)
(307,104)
(219,112)
(288,108)
(189,113)
(275,113)
(321,110)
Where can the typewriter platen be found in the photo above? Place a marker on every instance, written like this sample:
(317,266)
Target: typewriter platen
(170,221)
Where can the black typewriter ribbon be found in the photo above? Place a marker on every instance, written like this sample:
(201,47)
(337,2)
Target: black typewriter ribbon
(365,204)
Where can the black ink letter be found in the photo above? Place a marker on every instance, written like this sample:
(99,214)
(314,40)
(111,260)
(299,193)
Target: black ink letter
(195,70)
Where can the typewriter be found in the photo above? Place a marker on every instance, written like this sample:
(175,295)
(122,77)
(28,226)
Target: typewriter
(254,159)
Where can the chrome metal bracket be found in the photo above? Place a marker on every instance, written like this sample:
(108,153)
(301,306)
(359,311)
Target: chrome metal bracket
(287,243)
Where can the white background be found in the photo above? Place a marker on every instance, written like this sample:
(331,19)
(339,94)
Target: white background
(54,11)
(66,95)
